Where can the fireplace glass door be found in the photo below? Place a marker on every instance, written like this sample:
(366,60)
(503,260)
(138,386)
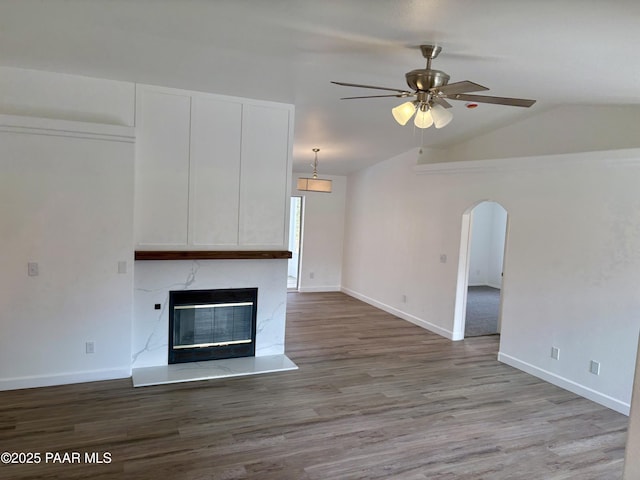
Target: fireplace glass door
(211,324)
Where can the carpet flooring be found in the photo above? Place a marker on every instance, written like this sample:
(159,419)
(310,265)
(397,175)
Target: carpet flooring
(483,306)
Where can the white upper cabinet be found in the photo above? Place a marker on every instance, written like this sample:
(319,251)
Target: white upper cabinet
(216,128)
(162,169)
(264,208)
(212,172)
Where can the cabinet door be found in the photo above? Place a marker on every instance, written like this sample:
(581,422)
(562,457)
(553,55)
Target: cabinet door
(162,169)
(263,177)
(215,171)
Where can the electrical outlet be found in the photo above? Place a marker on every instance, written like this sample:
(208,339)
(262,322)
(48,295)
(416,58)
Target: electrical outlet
(312,275)
(404,299)
(122,267)
(32,269)
(555,353)
(443,258)
(594,367)
(89,347)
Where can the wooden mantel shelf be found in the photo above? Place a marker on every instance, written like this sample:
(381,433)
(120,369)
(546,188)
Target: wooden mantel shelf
(211,254)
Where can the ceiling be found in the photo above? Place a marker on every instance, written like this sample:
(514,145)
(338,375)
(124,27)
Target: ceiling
(554,51)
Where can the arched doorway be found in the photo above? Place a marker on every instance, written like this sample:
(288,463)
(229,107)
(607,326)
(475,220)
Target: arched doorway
(479,287)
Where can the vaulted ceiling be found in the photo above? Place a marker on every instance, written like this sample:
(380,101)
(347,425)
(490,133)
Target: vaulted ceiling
(557,52)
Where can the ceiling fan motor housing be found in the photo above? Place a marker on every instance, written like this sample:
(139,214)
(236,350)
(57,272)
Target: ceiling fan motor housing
(425,79)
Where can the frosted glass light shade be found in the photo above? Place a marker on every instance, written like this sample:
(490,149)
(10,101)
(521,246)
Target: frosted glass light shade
(423,119)
(402,113)
(441,116)
(314,185)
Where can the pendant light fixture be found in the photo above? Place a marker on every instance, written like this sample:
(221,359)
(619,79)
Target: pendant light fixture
(314,184)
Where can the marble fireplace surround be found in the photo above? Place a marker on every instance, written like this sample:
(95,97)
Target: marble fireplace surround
(153,279)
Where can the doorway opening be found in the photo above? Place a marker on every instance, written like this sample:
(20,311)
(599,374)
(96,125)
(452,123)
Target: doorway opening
(479,296)
(295,243)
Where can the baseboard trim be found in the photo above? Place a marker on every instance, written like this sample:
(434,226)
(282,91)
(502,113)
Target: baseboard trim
(323,288)
(486,284)
(63,379)
(557,380)
(399,313)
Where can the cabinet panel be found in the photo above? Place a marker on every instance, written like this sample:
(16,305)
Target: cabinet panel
(211,171)
(215,171)
(162,168)
(263,184)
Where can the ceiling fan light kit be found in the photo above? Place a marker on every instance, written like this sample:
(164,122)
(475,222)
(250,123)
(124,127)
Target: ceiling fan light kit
(314,184)
(441,116)
(432,90)
(423,118)
(426,115)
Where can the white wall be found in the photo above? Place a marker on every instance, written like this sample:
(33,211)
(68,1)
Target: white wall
(573,229)
(35,93)
(481,220)
(564,129)
(66,203)
(322,236)
(570,277)
(396,229)
(632,453)
(489,222)
(496,252)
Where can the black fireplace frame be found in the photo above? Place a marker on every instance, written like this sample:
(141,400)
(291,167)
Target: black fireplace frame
(204,297)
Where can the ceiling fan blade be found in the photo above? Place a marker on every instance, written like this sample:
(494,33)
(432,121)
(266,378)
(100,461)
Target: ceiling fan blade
(514,102)
(460,87)
(377,96)
(441,101)
(371,86)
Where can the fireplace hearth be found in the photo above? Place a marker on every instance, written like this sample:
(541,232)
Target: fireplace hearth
(212,324)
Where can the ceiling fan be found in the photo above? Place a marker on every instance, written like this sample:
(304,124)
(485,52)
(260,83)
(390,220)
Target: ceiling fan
(432,90)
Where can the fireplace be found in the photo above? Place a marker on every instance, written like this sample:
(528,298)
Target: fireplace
(212,324)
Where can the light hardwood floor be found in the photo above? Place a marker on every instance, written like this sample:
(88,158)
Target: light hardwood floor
(375,398)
